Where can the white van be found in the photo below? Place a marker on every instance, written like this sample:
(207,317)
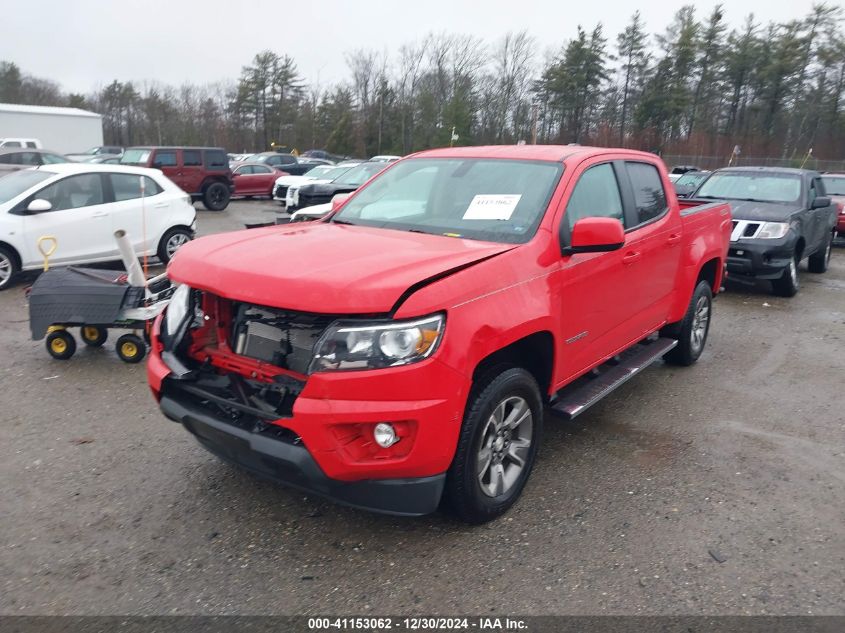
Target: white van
(32,143)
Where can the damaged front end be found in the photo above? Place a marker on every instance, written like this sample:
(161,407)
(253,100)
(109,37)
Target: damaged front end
(239,362)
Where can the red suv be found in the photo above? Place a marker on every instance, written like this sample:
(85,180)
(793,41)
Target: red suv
(202,172)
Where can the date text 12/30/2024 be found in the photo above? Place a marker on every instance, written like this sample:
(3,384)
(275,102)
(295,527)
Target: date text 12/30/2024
(416,624)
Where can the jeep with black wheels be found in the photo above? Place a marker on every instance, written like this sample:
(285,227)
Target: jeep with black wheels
(202,172)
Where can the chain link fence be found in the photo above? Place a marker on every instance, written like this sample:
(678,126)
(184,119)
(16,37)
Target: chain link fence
(714,162)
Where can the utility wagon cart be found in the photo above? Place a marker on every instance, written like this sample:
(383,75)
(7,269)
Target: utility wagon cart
(97,301)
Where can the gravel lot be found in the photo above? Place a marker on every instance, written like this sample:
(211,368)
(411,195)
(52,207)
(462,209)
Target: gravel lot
(717,489)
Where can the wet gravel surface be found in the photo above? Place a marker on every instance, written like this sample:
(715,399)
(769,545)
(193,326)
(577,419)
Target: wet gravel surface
(716,489)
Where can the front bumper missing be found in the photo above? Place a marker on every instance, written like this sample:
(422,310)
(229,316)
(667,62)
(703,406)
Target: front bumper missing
(287,461)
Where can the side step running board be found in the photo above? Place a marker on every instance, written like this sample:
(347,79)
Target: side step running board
(616,372)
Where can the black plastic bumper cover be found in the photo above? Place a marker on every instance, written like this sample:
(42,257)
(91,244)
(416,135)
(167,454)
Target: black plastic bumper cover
(766,260)
(292,465)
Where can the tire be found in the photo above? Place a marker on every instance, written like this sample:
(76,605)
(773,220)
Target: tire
(9,267)
(131,348)
(171,242)
(818,262)
(691,332)
(787,284)
(216,196)
(60,344)
(475,493)
(93,335)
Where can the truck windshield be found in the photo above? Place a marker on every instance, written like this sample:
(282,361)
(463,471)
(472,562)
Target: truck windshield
(493,200)
(834,185)
(135,157)
(757,186)
(17,182)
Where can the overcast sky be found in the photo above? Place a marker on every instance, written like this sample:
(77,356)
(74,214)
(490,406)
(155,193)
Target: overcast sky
(85,44)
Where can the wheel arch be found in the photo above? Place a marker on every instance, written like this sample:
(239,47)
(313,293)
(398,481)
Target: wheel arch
(534,353)
(711,273)
(14,252)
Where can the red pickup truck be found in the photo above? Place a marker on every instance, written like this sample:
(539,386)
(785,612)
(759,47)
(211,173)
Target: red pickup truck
(402,351)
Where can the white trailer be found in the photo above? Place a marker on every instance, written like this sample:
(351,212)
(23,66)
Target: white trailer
(64,130)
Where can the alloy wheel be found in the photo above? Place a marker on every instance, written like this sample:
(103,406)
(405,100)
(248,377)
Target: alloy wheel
(505,446)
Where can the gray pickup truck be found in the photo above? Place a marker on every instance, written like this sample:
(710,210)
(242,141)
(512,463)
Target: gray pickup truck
(780,216)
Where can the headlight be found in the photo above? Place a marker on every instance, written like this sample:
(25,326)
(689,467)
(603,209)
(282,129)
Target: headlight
(772,230)
(361,345)
(177,310)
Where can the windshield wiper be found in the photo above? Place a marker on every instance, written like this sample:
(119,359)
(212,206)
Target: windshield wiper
(347,222)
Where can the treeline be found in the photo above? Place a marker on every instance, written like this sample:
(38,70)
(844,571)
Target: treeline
(699,87)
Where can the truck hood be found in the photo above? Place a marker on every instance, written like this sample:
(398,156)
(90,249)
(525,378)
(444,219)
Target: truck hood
(763,211)
(322,267)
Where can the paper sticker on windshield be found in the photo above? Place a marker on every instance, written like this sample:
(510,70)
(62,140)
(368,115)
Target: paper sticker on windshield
(492,207)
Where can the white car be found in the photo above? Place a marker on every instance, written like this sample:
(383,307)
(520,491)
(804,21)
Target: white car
(324,173)
(314,212)
(81,205)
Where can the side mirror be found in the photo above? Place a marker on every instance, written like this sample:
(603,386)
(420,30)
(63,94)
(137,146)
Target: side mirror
(39,205)
(338,201)
(595,235)
(820,202)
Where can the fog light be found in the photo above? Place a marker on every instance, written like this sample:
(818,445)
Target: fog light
(384,435)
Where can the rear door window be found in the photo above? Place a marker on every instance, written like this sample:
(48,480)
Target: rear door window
(192,158)
(216,159)
(128,187)
(649,196)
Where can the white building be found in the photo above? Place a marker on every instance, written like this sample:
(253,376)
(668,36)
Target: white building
(64,130)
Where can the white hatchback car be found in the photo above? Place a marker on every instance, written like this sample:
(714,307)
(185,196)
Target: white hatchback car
(81,205)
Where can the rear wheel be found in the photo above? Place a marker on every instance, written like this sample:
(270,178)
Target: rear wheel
(172,241)
(131,348)
(819,261)
(497,445)
(216,197)
(8,267)
(787,284)
(691,332)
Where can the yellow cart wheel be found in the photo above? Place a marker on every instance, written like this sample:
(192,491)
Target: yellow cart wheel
(93,335)
(60,344)
(131,348)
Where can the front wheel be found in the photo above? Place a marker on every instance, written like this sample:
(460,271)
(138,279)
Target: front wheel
(216,197)
(8,268)
(787,284)
(819,261)
(691,332)
(497,445)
